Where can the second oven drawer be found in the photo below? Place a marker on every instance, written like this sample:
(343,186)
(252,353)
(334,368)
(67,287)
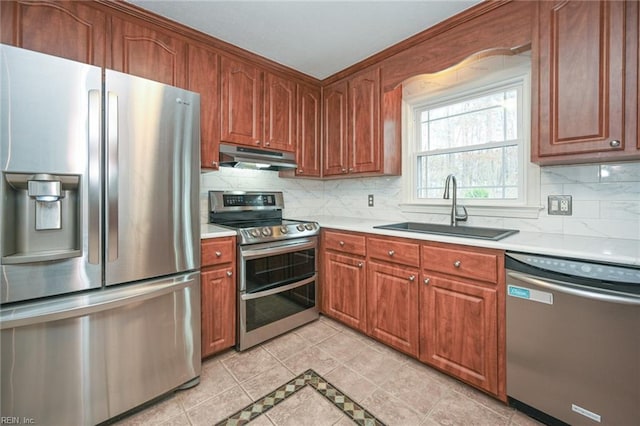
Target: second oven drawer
(216,251)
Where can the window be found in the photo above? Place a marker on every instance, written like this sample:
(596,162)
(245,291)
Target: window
(478,132)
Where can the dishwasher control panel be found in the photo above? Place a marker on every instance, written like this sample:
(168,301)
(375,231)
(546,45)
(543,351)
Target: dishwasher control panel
(584,269)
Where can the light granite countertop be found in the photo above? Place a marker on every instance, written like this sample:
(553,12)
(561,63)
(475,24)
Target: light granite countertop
(610,250)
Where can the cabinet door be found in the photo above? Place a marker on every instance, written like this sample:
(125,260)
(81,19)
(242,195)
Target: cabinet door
(309,143)
(68,29)
(203,77)
(459,330)
(280,113)
(581,77)
(218,301)
(392,306)
(364,123)
(334,110)
(241,103)
(344,290)
(140,50)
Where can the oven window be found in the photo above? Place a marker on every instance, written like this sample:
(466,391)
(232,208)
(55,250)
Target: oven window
(268,309)
(280,269)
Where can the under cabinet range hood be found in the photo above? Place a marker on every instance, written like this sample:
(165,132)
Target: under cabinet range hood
(253,158)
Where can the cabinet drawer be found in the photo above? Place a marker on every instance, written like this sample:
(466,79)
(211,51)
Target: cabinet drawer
(462,263)
(346,243)
(216,251)
(387,250)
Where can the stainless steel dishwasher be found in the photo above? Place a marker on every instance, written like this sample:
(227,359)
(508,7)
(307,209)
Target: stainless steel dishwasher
(573,340)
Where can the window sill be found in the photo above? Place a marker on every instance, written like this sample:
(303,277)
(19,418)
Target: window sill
(522,212)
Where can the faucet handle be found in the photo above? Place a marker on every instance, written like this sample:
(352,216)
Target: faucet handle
(461,215)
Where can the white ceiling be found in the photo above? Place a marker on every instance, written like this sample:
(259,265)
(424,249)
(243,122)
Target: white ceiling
(318,38)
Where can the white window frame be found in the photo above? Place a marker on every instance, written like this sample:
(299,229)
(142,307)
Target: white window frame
(528,205)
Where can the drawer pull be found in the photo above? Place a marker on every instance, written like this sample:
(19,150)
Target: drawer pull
(412,278)
(341,243)
(426,281)
(457,263)
(229,273)
(218,253)
(391,252)
(360,264)
(614,144)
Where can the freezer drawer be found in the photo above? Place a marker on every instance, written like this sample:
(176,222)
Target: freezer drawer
(84,359)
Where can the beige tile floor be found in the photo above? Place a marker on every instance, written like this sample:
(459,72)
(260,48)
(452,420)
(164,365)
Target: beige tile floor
(395,388)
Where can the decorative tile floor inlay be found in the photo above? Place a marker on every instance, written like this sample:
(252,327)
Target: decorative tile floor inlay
(309,378)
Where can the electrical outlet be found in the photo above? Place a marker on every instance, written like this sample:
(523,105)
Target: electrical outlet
(370,200)
(559,205)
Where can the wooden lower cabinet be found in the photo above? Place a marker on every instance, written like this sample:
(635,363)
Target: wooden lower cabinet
(218,295)
(459,330)
(344,292)
(392,306)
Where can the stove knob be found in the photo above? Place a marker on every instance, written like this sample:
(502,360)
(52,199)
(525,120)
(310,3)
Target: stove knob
(284,229)
(254,233)
(266,231)
(300,227)
(309,226)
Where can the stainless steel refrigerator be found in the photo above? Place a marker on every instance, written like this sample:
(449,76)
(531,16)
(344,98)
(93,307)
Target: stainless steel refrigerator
(99,244)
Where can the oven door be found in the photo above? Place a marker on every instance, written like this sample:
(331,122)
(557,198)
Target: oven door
(276,264)
(278,289)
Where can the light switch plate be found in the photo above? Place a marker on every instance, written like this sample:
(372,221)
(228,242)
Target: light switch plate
(559,205)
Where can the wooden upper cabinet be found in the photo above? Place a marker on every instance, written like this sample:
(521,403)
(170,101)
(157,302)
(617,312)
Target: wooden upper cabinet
(147,52)
(364,122)
(68,29)
(309,145)
(279,113)
(203,77)
(351,114)
(581,78)
(241,103)
(334,111)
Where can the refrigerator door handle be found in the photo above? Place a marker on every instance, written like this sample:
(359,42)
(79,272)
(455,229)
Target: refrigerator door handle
(94,176)
(112,176)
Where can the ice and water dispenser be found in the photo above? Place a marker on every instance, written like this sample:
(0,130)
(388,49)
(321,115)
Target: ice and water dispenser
(41,217)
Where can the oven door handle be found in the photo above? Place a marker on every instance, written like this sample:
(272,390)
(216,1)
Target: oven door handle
(279,249)
(270,292)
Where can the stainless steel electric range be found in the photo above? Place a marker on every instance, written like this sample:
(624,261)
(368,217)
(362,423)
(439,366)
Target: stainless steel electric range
(277,264)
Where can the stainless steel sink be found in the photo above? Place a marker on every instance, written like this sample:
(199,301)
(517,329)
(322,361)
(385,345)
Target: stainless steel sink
(494,234)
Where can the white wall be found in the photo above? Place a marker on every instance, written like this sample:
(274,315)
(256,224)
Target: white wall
(606,198)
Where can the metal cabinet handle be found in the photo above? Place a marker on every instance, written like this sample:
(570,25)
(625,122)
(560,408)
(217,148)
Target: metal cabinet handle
(300,171)
(412,278)
(614,143)
(214,164)
(350,169)
(257,142)
(268,143)
(341,243)
(344,170)
(360,264)
(426,281)
(218,253)
(391,252)
(457,263)
(229,273)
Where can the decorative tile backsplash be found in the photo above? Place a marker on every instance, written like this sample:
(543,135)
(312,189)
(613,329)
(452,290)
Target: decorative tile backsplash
(606,198)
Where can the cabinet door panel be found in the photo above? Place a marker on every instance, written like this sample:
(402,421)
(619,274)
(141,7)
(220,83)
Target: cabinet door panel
(392,306)
(309,143)
(344,294)
(218,310)
(279,113)
(241,103)
(364,123)
(458,330)
(68,29)
(581,77)
(334,109)
(148,53)
(203,77)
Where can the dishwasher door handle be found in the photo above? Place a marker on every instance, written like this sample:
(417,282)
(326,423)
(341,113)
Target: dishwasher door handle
(566,288)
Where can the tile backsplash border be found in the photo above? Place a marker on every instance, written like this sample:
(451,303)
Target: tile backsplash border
(606,198)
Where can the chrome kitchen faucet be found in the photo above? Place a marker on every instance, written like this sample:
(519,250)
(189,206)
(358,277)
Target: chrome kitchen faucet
(455,216)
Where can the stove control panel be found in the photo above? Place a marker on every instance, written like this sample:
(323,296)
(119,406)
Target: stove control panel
(262,234)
